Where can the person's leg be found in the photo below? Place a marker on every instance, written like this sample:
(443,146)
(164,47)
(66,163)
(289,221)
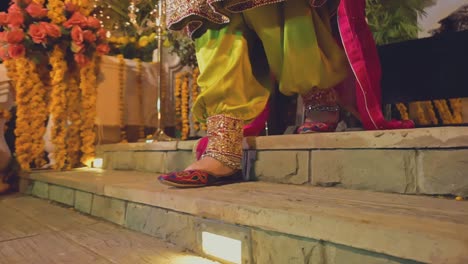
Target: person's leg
(230,96)
(302,53)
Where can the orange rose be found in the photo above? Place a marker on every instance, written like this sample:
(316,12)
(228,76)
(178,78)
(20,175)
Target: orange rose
(94,22)
(16,51)
(102,49)
(89,36)
(15,18)
(52,29)
(15,36)
(14,8)
(36,10)
(77,35)
(77,19)
(81,59)
(3,19)
(38,33)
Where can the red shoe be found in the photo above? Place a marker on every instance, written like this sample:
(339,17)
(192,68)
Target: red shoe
(197,178)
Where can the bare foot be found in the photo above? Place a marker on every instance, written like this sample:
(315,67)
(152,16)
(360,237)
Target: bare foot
(212,166)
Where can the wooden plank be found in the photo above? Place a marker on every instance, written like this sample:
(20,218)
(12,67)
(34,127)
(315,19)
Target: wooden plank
(46,248)
(123,246)
(56,218)
(14,225)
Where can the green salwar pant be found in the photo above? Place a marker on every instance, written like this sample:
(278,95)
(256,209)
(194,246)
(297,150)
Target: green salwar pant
(290,40)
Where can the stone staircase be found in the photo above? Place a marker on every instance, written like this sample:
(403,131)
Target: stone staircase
(287,216)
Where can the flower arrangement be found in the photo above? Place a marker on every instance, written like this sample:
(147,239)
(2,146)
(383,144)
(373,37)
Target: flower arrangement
(58,47)
(139,47)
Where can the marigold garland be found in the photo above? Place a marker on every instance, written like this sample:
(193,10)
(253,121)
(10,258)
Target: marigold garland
(56,11)
(139,88)
(457,108)
(38,114)
(88,87)
(185,96)
(74,116)
(178,103)
(85,6)
(58,106)
(185,108)
(426,115)
(195,91)
(444,112)
(403,111)
(12,72)
(122,102)
(24,94)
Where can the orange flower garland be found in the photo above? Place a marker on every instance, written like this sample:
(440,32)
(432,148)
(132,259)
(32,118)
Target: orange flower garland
(24,94)
(74,117)
(178,103)
(58,106)
(122,102)
(12,73)
(85,6)
(38,114)
(457,108)
(444,111)
(56,11)
(403,111)
(88,87)
(195,90)
(139,88)
(185,108)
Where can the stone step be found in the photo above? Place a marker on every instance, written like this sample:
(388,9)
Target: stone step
(276,223)
(430,161)
(37,231)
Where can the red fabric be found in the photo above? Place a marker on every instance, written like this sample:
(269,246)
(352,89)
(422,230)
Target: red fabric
(364,60)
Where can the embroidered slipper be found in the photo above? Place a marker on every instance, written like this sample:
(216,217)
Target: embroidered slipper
(197,178)
(311,127)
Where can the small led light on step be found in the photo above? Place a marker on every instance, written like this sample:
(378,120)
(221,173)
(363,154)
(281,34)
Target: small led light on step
(97,163)
(224,248)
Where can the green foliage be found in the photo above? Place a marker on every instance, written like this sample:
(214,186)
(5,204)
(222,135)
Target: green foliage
(395,20)
(133,38)
(184,47)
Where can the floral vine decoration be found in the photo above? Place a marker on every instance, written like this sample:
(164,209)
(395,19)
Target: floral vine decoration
(47,46)
(29,32)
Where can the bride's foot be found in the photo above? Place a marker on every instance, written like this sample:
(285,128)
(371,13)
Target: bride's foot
(222,162)
(212,166)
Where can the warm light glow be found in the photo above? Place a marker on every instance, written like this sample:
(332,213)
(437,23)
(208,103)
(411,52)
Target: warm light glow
(222,247)
(97,163)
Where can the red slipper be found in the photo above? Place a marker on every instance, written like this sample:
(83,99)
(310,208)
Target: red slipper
(197,178)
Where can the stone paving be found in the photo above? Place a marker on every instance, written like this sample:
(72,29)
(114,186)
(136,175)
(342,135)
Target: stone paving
(36,231)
